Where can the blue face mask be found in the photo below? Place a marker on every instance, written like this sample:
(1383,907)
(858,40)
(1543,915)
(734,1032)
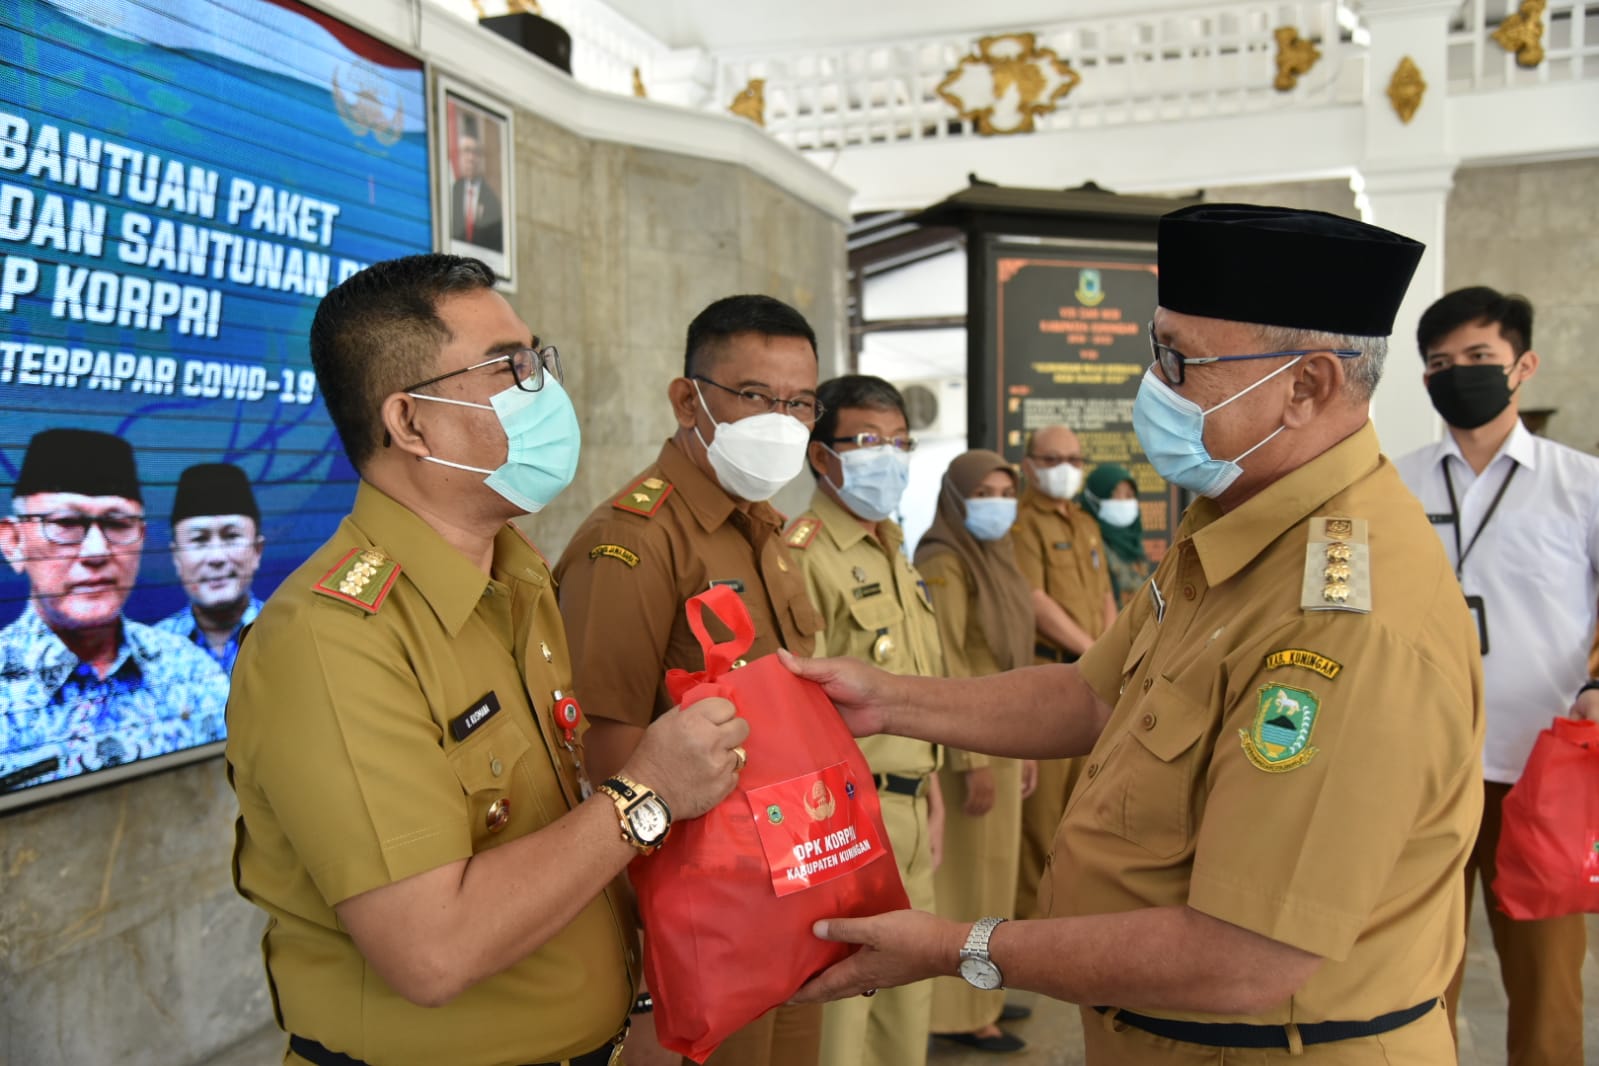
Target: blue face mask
(990,517)
(542,443)
(874,480)
(1171,429)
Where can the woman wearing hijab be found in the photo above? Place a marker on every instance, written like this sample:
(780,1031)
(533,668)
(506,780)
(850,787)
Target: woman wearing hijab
(985,617)
(1111,496)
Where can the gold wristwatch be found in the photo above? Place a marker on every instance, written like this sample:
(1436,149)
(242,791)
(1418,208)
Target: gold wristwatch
(644,816)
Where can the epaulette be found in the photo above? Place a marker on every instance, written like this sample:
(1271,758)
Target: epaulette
(1337,566)
(643,497)
(363,577)
(802,532)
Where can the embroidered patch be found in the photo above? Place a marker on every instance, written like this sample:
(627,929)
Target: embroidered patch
(614,551)
(1307,660)
(1279,739)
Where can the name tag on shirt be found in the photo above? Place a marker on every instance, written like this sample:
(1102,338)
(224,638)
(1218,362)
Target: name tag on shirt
(731,582)
(464,725)
(874,589)
(1441,519)
(1062,545)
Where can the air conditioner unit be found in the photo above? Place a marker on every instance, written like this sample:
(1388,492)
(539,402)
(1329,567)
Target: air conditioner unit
(935,407)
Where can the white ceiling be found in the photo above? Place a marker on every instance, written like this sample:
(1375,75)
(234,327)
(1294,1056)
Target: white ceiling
(721,25)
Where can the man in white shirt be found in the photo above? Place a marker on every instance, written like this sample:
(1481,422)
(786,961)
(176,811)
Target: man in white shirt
(1519,518)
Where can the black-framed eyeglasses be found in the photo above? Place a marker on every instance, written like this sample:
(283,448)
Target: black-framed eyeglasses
(758,401)
(528,364)
(876,440)
(1172,362)
(71,528)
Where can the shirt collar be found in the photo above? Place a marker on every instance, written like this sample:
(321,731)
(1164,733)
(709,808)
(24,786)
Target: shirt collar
(1033,498)
(843,528)
(711,504)
(1226,543)
(1521,446)
(447,580)
(48,656)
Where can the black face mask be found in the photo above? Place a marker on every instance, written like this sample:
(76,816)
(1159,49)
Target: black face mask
(1470,396)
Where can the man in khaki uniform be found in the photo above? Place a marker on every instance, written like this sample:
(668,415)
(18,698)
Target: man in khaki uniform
(1059,551)
(694,518)
(409,773)
(1265,851)
(876,609)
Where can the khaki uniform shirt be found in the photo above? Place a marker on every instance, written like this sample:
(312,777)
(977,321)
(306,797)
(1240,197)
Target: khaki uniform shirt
(360,755)
(960,629)
(635,561)
(1307,774)
(1062,554)
(875,608)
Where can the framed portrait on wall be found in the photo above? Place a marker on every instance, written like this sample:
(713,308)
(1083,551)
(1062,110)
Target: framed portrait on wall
(477,180)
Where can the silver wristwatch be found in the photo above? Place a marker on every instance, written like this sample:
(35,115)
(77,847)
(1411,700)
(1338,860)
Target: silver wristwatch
(978,969)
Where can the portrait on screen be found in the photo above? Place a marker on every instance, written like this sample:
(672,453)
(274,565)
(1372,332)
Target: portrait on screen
(165,455)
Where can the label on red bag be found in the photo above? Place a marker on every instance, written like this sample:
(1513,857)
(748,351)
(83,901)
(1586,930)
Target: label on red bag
(814,828)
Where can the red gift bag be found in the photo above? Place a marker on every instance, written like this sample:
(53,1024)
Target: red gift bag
(1548,859)
(729,900)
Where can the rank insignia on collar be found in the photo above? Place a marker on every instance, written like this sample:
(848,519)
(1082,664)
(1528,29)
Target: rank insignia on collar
(802,532)
(644,496)
(362,577)
(1279,738)
(1337,566)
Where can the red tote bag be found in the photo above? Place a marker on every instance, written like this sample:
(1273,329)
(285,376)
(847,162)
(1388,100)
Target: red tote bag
(1548,858)
(729,900)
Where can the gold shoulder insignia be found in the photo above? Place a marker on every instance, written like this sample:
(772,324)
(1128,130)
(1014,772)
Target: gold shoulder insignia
(1337,566)
(363,577)
(802,532)
(614,551)
(643,497)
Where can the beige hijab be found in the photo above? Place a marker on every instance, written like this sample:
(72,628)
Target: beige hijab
(1004,599)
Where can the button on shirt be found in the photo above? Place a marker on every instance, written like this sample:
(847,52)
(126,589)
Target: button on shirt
(1353,852)
(1536,566)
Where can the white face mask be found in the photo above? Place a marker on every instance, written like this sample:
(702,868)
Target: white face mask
(1059,482)
(756,456)
(1118,513)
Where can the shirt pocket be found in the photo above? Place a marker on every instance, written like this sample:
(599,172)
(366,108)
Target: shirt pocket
(1147,779)
(487,764)
(876,612)
(803,613)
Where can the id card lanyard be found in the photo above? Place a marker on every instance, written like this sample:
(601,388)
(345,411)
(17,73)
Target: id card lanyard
(1454,513)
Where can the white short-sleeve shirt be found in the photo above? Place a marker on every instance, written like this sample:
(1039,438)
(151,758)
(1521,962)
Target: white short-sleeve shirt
(1535,566)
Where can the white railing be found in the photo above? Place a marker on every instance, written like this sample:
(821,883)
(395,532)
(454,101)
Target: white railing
(1156,67)
(1477,62)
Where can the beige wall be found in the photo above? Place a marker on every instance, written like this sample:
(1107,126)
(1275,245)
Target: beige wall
(121,939)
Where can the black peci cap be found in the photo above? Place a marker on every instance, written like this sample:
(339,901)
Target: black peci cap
(214,488)
(1280,267)
(83,461)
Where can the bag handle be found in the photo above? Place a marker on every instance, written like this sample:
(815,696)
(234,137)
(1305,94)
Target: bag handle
(725,605)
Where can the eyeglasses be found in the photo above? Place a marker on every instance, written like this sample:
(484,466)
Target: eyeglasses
(756,401)
(1172,362)
(873,440)
(69,528)
(528,364)
(1049,460)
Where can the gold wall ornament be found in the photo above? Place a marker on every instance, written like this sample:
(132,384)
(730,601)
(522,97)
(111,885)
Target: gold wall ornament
(1008,83)
(523,7)
(638,85)
(1406,88)
(1522,33)
(1295,57)
(750,102)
